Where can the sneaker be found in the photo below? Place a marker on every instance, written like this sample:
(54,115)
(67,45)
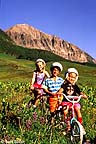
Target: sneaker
(34,106)
(52,120)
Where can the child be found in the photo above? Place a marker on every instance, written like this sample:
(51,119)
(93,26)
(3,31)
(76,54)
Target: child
(37,79)
(52,85)
(69,87)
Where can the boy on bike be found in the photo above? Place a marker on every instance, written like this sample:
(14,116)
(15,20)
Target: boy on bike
(69,87)
(52,85)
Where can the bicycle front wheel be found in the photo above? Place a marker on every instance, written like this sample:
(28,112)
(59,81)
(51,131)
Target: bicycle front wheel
(76,132)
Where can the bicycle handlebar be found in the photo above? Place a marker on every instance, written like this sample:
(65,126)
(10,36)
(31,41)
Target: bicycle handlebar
(73,99)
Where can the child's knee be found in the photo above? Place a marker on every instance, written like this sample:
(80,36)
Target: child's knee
(77,110)
(66,111)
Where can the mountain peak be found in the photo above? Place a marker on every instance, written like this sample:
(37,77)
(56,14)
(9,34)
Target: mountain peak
(30,37)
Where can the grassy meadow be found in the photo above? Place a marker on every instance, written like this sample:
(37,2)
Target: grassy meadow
(19,124)
(23,125)
(12,69)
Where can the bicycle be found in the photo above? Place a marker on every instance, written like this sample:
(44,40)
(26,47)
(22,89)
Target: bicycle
(77,130)
(37,95)
(41,107)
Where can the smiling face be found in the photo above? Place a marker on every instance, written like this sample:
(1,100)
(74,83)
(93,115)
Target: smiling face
(55,71)
(40,66)
(72,78)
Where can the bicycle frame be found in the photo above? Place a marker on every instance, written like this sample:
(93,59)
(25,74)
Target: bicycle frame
(73,120)
(73,100)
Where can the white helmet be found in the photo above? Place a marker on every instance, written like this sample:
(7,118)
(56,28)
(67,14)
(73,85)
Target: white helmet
(40,60)
(71,70)
(57,64)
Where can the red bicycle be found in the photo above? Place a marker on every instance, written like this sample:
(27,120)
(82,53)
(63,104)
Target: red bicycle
(77,130)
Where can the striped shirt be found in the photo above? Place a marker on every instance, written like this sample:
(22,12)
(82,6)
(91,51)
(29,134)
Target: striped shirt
(53,86)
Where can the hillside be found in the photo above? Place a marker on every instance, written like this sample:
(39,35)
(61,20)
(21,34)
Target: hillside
(30,37)
(9,47)
(15,62)
(12,69)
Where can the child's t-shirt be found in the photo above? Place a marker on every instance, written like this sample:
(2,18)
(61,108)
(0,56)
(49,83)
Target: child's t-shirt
(39,77)
(53,86)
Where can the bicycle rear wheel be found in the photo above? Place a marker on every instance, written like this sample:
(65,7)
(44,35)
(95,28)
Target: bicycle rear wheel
(76,132)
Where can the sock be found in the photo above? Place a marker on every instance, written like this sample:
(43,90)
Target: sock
(80,119)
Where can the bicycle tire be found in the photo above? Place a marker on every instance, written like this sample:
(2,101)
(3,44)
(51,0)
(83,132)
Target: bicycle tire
(77,132)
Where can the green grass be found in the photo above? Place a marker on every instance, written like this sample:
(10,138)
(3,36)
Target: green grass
(12,69)
(15,76)
(14,97)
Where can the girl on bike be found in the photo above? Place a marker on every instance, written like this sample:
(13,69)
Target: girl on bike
(69,87)
(52,85)
(38,77)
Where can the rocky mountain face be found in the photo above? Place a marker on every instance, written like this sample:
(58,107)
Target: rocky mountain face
(29,37)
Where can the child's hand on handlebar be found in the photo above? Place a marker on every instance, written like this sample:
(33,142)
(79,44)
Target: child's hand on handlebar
(84,95)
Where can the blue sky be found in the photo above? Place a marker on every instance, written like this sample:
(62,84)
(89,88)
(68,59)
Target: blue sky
(71,20)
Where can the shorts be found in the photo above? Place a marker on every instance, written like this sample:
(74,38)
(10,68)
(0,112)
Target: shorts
(53,103)
(76,105)
(38,87)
